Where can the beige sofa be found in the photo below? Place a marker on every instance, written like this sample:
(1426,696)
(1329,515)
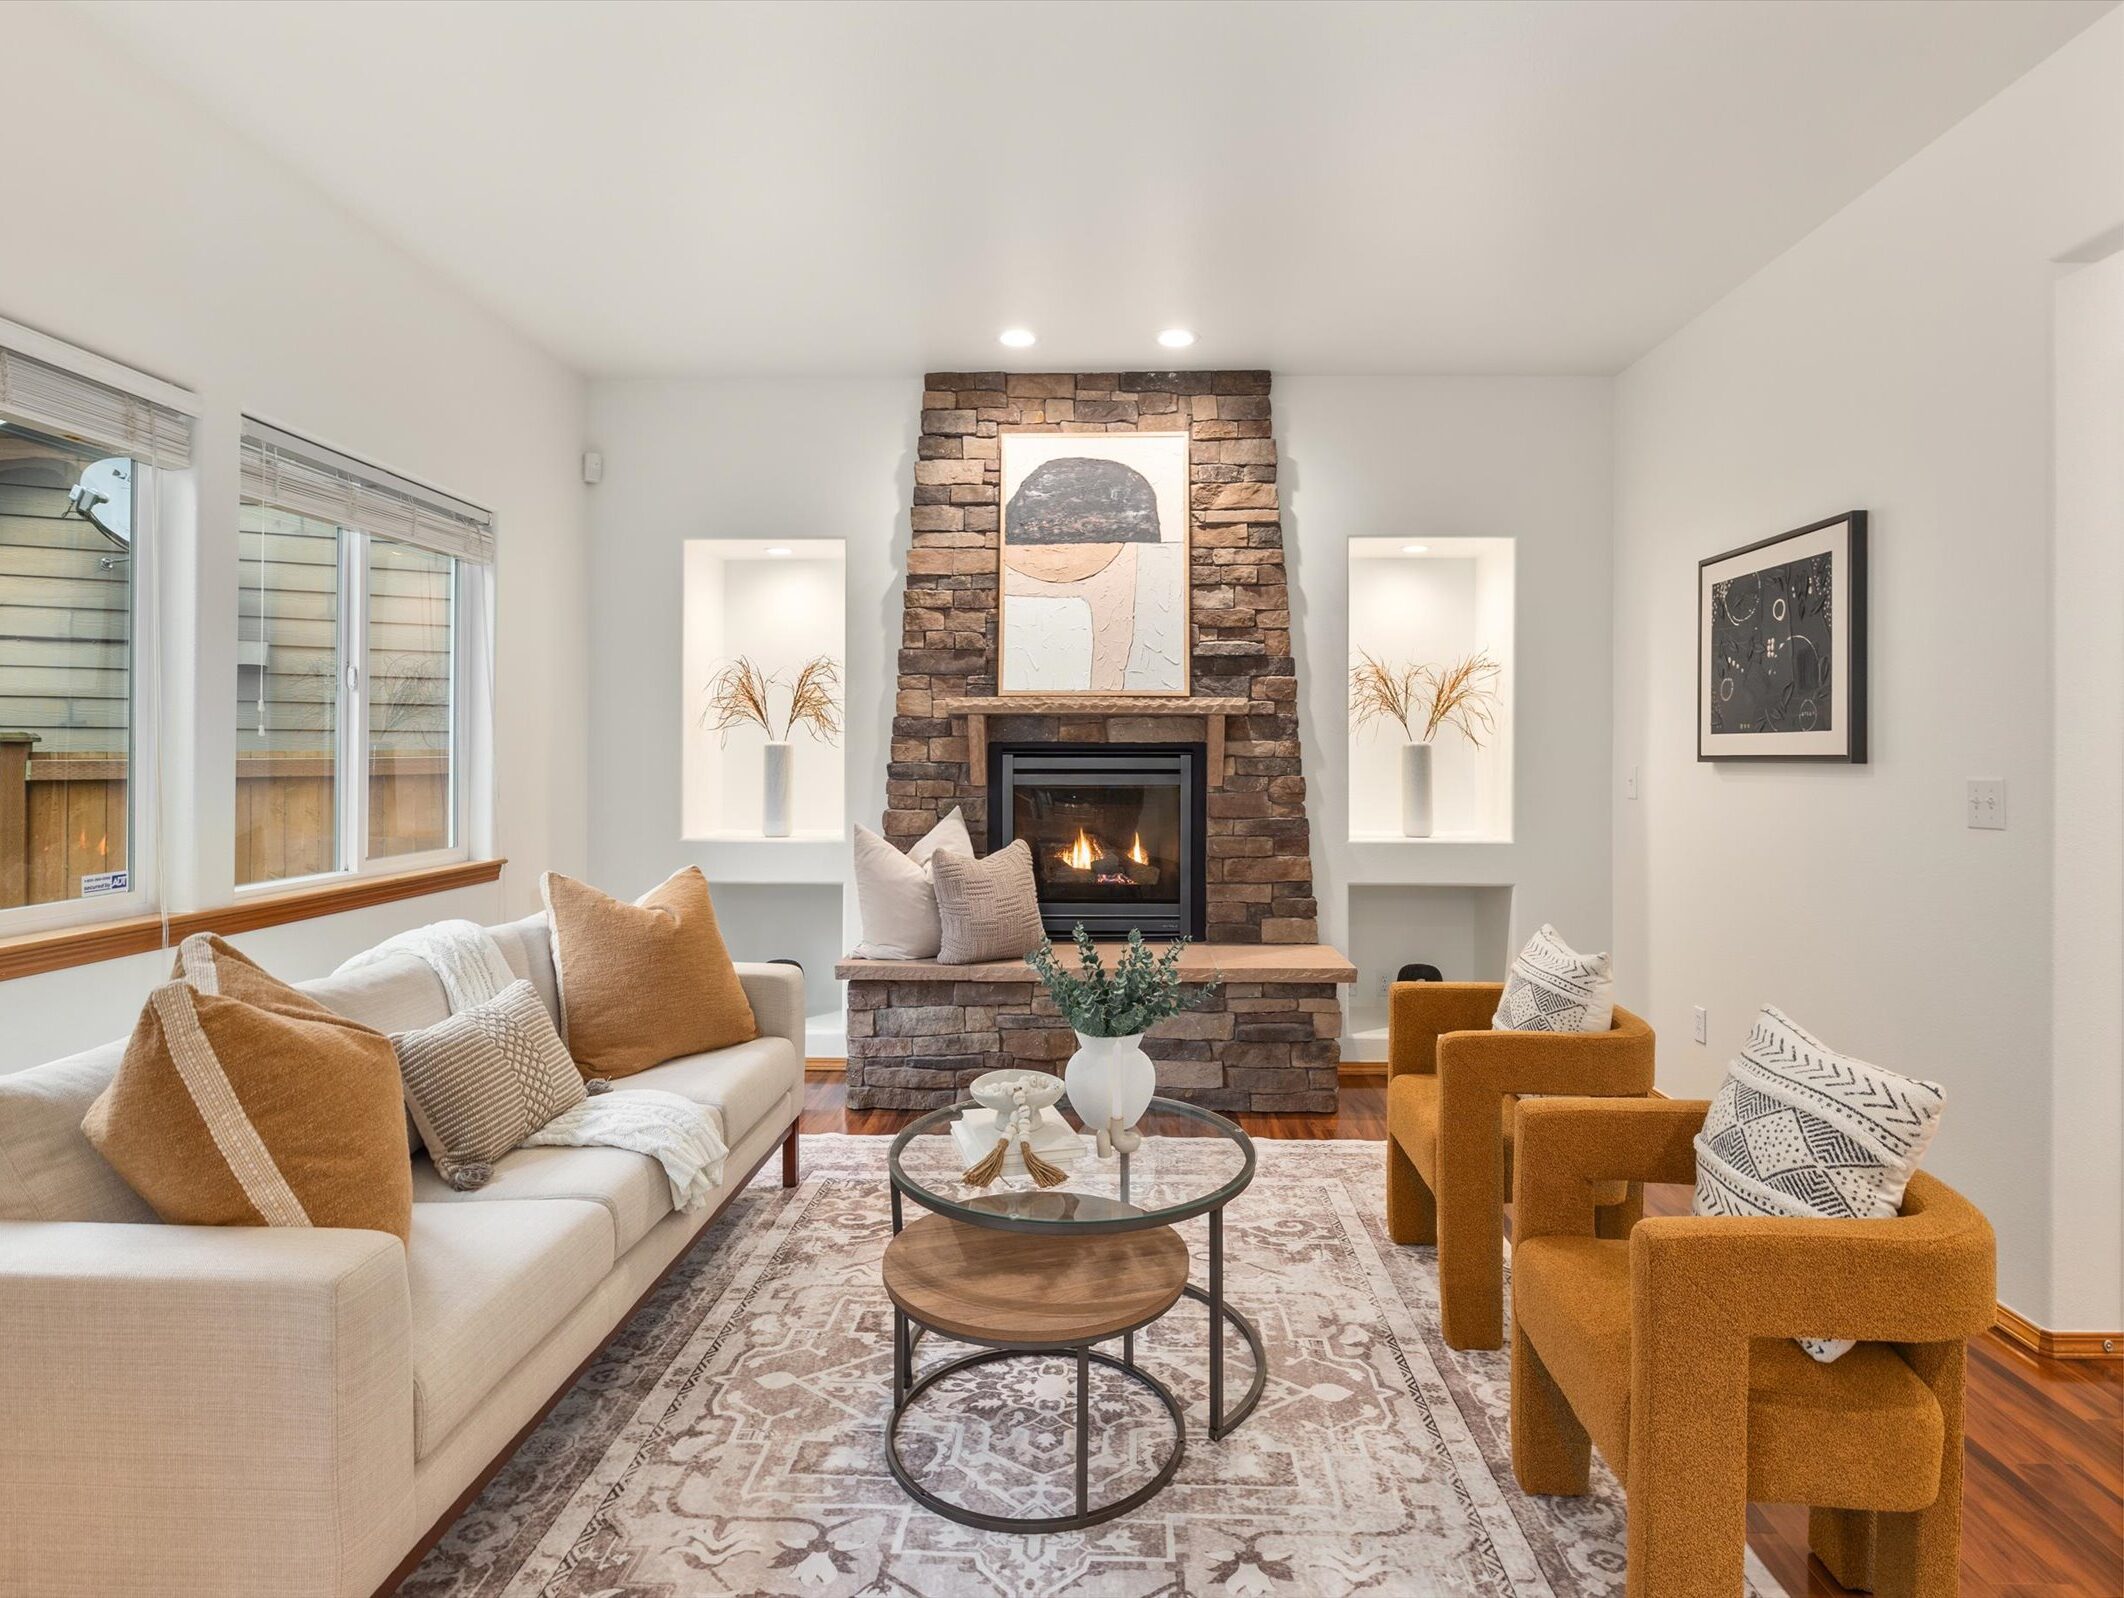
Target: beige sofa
(280,1413)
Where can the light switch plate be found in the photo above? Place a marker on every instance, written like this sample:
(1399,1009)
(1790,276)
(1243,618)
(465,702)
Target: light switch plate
(1987,804)
(1702,1024)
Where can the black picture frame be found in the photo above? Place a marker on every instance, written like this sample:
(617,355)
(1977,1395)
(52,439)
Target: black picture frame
(1842,539)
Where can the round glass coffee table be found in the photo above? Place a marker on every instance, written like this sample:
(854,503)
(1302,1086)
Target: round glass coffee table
(1096,1259)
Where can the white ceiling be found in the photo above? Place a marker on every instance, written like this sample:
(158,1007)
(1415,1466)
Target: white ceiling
(1463,186)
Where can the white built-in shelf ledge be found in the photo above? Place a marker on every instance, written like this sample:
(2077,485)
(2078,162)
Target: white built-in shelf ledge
(1436,837)
(977,711)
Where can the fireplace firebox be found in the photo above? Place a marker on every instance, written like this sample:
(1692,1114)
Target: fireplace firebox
(1116,832)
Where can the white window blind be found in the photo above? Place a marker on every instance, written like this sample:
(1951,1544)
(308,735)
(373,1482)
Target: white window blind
(311,480)
(63,402)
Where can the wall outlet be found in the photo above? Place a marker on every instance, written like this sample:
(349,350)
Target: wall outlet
(1386,983)
(1986,804)
(1700,1023)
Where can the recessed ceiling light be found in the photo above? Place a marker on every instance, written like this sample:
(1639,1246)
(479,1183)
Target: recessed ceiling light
(1415,549)
(1176,338)
(779,549)
(1018,338)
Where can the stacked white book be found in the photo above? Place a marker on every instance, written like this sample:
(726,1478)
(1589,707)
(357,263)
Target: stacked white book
(1053,1139)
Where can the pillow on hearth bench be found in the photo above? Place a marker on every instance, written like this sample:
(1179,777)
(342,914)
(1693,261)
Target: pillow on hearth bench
(990,908)
(1798,1129)
(242,1102)
(896,894)
(1553,988)
(645,982)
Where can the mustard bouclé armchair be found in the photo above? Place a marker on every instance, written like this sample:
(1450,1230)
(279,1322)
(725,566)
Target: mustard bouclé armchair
(1672,1353)
(1451,1087)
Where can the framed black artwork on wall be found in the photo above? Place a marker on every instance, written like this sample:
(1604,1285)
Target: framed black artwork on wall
(1781,646)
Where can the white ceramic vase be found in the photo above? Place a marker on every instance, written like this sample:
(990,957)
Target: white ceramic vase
(774,791)
(1415,790)
(1110,1078)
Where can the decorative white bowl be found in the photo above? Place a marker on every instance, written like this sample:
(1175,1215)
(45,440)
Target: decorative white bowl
(992,1091)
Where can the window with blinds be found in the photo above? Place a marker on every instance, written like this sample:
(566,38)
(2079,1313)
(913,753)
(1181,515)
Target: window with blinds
(77,464)
(353,700)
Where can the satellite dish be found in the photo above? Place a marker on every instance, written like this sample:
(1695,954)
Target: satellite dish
(105,496)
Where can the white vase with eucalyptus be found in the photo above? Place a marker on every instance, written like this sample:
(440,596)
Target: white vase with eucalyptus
(1110,1080)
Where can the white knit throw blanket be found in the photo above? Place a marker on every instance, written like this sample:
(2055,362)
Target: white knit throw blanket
(684,1137)
(462,955)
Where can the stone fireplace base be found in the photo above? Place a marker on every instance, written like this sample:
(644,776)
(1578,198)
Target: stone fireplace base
(919,1031)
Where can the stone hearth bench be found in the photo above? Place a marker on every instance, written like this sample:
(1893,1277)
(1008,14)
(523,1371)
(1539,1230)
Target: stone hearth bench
(919,1031)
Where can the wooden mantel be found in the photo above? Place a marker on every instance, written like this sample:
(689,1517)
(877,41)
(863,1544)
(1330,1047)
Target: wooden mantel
(977,712)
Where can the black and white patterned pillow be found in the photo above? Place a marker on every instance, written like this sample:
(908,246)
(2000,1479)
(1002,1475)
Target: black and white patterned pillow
(1553,988)
(1798,1129)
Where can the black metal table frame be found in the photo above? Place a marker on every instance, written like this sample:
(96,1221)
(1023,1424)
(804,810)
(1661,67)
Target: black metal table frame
(907,1387)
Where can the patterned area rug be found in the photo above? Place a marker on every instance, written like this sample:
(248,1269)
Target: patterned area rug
(730,1440)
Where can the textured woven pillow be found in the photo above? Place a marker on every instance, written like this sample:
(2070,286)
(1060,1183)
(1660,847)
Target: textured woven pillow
(646,982)
(481,1082)
(241,1102)
(896,895)
(1798,1129)
(1553,988)
(989,908)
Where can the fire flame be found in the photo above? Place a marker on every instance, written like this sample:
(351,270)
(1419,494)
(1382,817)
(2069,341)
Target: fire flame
(1079,855)
(1136,854)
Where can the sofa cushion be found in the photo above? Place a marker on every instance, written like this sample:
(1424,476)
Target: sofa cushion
(49,1171)
(488,1281)
(632,1187)
(745,1082)
(527,945)
(396,995)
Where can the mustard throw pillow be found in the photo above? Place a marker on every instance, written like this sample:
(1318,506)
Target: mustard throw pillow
(241,1102)
(646,982)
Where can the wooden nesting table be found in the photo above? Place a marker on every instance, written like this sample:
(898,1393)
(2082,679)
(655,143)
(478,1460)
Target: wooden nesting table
(1018,1270)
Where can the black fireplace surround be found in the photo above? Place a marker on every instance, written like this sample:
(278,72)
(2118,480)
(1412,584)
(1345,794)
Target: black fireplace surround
(1116,832)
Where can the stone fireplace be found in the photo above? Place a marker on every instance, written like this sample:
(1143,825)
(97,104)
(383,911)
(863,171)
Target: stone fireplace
(1268,1041)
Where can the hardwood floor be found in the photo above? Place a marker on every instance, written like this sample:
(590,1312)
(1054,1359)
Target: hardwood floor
(2043,1502)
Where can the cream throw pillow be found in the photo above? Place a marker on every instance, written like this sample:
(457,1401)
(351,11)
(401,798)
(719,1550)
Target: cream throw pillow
(481,1082)
(990,908)
(646,982)
(896,896)
(241,1102)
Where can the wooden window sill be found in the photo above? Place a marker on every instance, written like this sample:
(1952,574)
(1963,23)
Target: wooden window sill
(111,940)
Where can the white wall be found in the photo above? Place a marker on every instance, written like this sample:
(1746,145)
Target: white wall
(1458,457)
(766,458)
(171,245)
(1898,360)
(747,458)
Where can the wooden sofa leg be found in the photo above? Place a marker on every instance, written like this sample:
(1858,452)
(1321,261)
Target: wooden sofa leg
(1843,1540)
(1412,1214)
(1551,1452)
(789,1157)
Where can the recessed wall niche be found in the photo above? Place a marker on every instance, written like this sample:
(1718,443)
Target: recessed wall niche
(779,603)
(1433,601)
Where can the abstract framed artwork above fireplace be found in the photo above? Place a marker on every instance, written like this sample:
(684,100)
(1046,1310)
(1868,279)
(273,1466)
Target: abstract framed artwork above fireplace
(1118,832)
